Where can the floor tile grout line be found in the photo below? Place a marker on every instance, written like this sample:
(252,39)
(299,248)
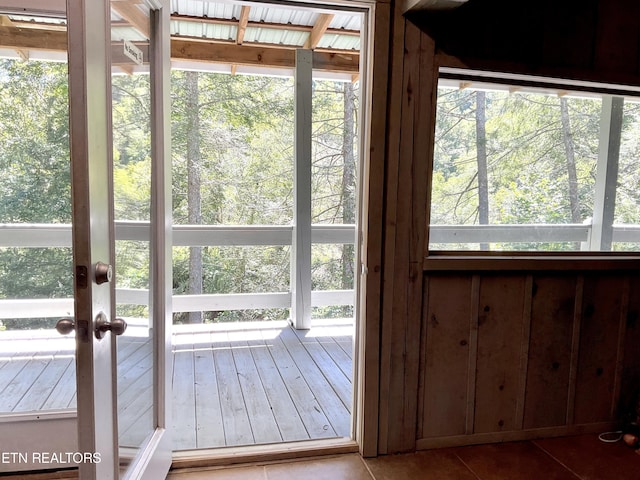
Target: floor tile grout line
(366,465)
(467,466)
(554,458)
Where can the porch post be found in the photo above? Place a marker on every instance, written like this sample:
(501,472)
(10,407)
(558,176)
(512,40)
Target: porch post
(301,242)
(607,173)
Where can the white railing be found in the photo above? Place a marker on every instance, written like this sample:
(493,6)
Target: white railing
(59,235)
(509,233)
(527,233)
(47,235)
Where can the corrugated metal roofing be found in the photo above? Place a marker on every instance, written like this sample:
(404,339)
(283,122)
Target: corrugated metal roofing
(218,21)
(273,15)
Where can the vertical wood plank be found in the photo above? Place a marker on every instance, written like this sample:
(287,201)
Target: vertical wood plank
(524,351)
(393,113)
(598,347)
(575,350)
(373,178)
(622,332)
(408,224)
(552,318)
(499,343)
(422,131)
(473,355)
(630,383)
(449,300)
(422,378)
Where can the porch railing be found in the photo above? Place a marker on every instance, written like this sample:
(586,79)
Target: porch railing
(59,235)
(48,235)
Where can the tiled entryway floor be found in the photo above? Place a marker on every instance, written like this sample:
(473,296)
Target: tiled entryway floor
(571,458)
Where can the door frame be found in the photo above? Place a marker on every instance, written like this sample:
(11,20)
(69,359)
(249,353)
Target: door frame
(89,38)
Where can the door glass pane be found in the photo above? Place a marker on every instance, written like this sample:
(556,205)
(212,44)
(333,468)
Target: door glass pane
(37,368)
(131,109)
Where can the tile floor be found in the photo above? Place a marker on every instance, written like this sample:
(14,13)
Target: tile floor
(568,458)
(571,458)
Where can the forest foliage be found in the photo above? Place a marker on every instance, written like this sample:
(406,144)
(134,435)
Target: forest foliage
(540,151)
(243,164)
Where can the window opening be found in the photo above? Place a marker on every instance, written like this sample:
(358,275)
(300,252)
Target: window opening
(519,168)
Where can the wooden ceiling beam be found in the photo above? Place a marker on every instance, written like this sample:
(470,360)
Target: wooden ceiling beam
(242,24)
(260,56)
(319,29)
(19,38)
(131,13)
(198,51)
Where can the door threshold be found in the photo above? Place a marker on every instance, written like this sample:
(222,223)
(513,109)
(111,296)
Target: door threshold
(261,454)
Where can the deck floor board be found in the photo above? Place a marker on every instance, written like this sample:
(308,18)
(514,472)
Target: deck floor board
(209,424)
(257,384)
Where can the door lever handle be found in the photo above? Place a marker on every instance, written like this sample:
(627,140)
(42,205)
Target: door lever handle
(102,326)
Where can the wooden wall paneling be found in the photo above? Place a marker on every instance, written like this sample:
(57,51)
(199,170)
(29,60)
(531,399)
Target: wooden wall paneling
(407,284)
(630,383)
(622,332)
(372,243)
(566,33)
(592,40)
(449,305)
(575,349)
(473,355)
(524,351)
(393,112)
(500,325)
(616,39)
(547,379)
(595,380)
(423,360)
(422,158)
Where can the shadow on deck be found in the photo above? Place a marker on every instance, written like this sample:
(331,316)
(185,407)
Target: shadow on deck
(233,384)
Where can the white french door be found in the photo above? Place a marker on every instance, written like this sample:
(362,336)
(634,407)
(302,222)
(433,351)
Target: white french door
(116,425)
(105,38)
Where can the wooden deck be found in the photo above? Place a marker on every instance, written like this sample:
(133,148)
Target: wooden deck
(245,385)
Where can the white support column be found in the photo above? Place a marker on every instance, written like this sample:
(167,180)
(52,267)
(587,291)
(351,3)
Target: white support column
(607,173)
(301,241)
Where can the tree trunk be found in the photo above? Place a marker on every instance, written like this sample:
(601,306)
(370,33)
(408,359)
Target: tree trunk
(193,189)
(348,181)
(481,156)
(569,148)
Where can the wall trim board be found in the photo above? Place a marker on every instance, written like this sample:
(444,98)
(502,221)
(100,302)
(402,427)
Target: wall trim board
(529,263)
(513,436)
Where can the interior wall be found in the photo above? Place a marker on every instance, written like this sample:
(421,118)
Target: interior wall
(514,355)
(469,356)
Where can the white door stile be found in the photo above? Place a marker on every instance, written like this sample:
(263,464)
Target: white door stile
(89,99)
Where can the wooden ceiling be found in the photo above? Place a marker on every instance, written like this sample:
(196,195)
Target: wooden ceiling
(24,35)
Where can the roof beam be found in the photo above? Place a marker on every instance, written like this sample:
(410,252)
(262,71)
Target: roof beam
(260,56)
(131,13)
(242,28)
(199,51)
(319,30)
(242,24)
(18,38)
